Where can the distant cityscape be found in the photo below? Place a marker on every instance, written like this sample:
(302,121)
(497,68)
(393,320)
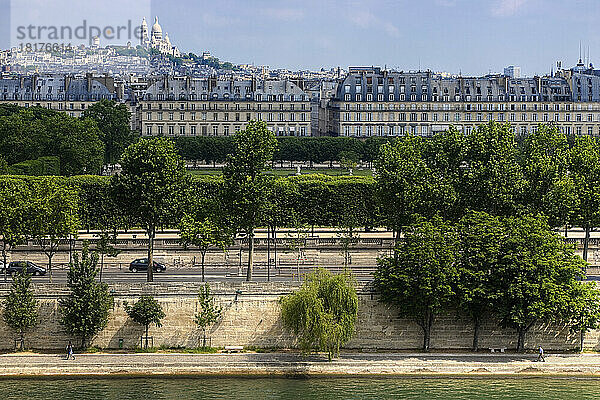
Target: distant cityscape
(173,93)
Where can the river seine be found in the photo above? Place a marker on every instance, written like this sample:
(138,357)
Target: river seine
(313,388)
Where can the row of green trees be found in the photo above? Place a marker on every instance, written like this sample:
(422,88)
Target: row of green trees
(82,145)
(547,173)
(85,311)
(214,149)
(491,170)
(511,269)
(474,218)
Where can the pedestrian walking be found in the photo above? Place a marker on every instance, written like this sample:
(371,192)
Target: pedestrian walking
(541,355)
(70,351)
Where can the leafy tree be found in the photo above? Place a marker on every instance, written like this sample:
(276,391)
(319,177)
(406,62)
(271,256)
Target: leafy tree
(150,188)
(420,279)
(407,185)
(20,307)
(491,178)
(105,245)
(146,311)
(53,215)
(113,121)
(479,240)
(30,133)
(209,312)
(14,212)
(584,309)
(86,309)
(348,159)
(545,159)
(203,234)
(585,171)
(247,189)
(535,276)
(323,312)
(77,144)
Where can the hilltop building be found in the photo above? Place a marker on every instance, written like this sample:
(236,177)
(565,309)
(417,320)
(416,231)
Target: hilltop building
(155,40)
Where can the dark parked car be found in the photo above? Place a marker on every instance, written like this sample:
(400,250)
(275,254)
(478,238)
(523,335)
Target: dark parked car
(141,264)
(15,267)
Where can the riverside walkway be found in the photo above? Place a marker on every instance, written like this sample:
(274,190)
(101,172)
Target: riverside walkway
(286,364)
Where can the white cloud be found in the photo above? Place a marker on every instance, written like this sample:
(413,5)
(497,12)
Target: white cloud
(507,8)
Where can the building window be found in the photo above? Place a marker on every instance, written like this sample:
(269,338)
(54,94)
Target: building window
(182,129)
(148,129)
(171,130)
(160,129)
(149,116)
(170,116)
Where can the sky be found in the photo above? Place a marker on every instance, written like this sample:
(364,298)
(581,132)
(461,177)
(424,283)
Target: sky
(473,37)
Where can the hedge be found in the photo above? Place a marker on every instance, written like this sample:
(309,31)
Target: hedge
(49,165)
(214,149)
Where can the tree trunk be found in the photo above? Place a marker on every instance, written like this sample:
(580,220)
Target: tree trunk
(268,253)
(396,241)
(521,341)
(586,242)
(204,337)
(203,253)
(476,326)
(50,265)
(101,265)
(275,246)
(5,260)
(22,337)
(581,339)
(427,323)
(150,272)
(250,256)
(146,338)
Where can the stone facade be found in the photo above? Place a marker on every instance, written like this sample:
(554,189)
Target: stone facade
(374,102)
(251,317)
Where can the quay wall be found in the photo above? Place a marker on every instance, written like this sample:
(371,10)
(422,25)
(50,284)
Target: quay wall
(251,317)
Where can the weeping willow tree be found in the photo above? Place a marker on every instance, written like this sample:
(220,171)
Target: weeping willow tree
(322,314)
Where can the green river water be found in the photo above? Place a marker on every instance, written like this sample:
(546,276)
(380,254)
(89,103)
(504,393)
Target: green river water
(313,388)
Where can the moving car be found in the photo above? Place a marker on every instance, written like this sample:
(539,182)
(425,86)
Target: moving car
(141,264)
(15,267)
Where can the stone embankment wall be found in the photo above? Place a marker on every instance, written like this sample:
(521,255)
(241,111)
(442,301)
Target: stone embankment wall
(251,317)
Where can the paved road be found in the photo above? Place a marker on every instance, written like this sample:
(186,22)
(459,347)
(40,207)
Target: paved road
(114,275)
